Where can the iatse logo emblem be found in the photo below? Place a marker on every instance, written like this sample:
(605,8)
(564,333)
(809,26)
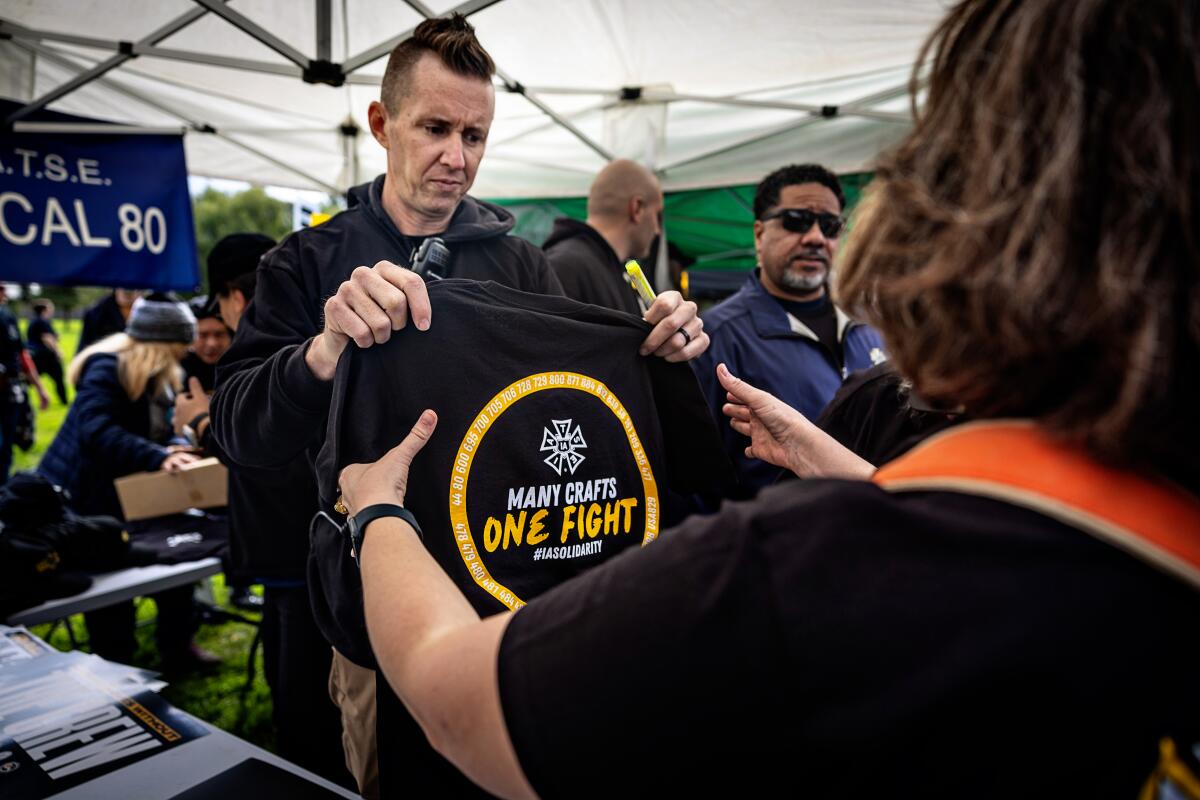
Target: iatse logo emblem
(563,444)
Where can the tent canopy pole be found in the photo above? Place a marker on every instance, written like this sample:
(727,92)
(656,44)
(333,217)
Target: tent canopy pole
(253,29)
(195,125)
(174,26)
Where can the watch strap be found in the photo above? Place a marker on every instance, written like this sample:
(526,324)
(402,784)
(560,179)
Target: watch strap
(370,514)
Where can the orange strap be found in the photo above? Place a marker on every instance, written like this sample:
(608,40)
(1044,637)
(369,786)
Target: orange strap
(1017,463)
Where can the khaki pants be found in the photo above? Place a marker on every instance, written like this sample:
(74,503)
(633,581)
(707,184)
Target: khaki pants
(352,689)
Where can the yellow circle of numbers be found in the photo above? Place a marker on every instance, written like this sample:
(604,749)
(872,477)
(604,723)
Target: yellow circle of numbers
(479,427)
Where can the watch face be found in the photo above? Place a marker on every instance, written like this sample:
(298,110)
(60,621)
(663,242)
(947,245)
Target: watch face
(355,538)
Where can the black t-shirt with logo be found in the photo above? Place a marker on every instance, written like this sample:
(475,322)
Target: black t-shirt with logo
(555,446)
(831,640)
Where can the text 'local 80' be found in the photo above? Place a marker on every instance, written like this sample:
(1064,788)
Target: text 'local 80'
(53,220)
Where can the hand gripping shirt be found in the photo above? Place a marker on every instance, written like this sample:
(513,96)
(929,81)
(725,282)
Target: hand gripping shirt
(555,446)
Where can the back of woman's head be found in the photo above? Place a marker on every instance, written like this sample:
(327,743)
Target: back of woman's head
(1031,248)
(141,365)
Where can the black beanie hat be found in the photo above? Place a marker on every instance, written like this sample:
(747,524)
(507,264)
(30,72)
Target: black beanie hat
(203,307)
(161,318)
(234,256)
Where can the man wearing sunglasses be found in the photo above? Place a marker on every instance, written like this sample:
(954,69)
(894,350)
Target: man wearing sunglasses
(780,331)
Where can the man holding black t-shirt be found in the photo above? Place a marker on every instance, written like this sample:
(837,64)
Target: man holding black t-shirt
(345,281)
(780,331)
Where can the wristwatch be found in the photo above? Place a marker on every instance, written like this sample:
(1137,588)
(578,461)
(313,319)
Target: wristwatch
(191,429)
(357,524)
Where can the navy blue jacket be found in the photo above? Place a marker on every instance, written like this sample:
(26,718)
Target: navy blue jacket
(103,438)
(765,346)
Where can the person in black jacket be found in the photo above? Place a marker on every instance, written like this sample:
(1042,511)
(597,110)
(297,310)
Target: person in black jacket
(107,316)
(624,215)
(341,282)
(118,425)
(268,538)
(44,347)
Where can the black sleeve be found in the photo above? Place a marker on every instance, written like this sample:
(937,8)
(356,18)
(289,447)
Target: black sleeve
(268,406)
(627,661)
(854,415)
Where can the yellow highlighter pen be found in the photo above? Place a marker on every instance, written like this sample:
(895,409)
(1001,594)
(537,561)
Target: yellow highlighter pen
(640,284)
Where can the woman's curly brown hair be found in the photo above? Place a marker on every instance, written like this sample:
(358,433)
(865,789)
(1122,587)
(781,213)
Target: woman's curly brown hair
(1031,248)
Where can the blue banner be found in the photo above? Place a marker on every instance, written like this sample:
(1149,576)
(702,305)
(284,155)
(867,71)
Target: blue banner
(96,210)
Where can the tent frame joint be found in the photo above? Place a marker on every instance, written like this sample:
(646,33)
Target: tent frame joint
(320,70)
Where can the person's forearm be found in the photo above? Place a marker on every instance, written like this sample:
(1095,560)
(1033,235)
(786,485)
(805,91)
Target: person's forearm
(28,367)
(819,455)
(410,602)
(438,656)
(322,356)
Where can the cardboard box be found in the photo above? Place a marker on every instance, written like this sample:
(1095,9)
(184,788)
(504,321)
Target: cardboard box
(201,484)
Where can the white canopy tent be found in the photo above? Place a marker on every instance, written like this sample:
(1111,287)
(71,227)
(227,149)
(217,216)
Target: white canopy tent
(707,92)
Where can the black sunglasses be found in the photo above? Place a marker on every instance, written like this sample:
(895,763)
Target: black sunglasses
(800,220)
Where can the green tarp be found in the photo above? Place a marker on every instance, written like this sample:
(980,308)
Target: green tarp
(713,226)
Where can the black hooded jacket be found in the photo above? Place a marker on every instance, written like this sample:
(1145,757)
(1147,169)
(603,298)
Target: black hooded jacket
(587,267)
(269,409)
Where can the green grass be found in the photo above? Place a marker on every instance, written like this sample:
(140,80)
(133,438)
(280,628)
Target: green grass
(218,696)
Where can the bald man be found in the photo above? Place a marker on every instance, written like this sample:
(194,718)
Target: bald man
(624,215)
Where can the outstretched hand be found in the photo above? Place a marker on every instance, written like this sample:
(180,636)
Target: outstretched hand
(774,428)
(781,435)
(386,480)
